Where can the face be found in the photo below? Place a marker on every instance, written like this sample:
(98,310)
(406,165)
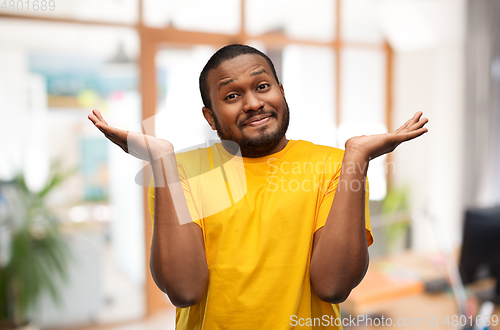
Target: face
(248,105)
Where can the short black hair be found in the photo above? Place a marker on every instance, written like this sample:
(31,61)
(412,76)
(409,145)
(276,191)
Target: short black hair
(224,54)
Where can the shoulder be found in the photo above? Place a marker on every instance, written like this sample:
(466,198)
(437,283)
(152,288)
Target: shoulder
(192,154)
(194,160)
(316,152)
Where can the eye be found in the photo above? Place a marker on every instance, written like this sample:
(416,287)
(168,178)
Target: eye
(231,96)
(263,86)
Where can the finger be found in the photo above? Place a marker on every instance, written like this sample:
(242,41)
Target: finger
(101,128)
(97,113)
(108,131)
(93,118)
(419,124)
(102,124)
(99,124)
(415,119)
(410,121)
(117,133)
(403,126)
(414,134)
(97,118)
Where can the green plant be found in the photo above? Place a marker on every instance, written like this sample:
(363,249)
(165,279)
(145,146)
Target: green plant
(38,252)
(395,206)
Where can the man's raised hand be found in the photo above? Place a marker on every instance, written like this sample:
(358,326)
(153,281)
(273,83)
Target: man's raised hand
(372,146)
(139,145)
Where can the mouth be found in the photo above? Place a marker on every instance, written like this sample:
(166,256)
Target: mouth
(258,120)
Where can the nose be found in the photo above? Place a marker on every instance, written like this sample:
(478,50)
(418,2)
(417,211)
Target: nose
(252,102)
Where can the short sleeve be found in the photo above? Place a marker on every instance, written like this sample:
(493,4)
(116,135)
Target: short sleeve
(326,204)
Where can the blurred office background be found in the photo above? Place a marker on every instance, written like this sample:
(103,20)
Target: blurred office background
(349,67)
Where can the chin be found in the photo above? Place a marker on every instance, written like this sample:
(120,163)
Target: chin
(259,140)
(260,144)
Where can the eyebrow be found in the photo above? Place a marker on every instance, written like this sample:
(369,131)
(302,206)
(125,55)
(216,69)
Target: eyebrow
(256,73)
(226,82)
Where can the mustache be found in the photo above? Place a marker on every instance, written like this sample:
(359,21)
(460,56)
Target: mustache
(260,113)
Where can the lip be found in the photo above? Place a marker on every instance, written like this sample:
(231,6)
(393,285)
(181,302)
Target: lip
(257,120)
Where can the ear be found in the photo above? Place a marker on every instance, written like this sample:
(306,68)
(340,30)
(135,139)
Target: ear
(282,89)
(207,113)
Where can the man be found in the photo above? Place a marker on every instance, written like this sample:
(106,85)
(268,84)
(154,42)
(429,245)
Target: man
(292,246)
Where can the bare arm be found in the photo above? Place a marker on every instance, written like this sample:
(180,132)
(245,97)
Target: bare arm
(178,264)
(340,253)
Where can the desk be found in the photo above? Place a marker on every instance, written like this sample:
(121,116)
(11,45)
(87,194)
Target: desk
(420,309)
(409,304)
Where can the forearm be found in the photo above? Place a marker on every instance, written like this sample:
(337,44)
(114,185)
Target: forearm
(178,263)
(340,254)
(340,257)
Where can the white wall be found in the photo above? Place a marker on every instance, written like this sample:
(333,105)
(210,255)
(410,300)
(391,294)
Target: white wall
(432,80)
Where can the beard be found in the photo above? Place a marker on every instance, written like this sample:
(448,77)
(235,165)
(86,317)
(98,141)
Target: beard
(256,146)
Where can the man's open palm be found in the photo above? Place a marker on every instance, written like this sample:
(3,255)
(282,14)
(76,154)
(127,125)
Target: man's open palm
(372,146)
(139,145)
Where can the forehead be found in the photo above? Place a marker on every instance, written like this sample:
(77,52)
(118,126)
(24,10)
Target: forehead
(238,67)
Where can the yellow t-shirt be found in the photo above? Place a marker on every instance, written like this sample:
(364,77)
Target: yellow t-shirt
(258,227)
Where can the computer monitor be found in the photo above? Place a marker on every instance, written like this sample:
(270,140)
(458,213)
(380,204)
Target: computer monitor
(480,255)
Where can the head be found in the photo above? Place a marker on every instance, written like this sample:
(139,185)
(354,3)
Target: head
(244,100)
